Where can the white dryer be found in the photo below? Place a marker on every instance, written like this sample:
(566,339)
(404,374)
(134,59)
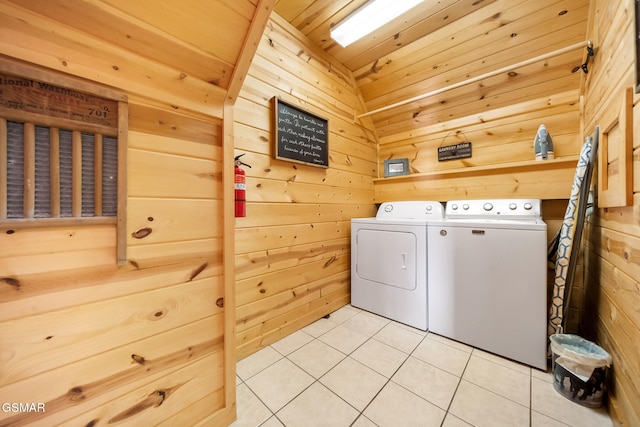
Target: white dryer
(389,260)
(488,287)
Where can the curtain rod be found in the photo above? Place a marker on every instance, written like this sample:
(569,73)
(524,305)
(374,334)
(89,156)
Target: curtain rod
(480,77)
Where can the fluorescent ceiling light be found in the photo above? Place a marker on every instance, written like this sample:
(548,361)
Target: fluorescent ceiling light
(368,18)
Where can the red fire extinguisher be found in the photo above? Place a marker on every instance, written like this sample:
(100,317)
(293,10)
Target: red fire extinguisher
(240,187)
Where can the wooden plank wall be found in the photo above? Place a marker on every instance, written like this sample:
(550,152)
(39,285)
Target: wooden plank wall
(499,113)
(143,343)
(292,249)
(612,287)
(498,136)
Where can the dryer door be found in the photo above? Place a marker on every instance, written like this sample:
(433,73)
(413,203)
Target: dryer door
(387,257)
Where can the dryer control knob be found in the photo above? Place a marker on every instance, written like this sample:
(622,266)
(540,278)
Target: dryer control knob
(487,206)
(513,206)
(388,208)
(528,206)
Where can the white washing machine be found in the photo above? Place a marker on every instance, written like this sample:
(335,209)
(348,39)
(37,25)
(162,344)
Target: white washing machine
(389,261)
(489,289)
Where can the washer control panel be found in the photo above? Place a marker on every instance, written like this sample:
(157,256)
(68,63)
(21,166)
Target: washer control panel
(494,208)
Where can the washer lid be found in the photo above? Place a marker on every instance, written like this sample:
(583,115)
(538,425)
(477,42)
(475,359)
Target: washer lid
(411,210)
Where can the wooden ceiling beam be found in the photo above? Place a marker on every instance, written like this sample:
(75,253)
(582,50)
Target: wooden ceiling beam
(249,48)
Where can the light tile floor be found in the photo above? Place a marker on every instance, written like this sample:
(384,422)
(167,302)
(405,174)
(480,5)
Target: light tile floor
(358,369)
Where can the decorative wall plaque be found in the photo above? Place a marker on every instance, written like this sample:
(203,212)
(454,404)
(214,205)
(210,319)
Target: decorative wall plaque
(452,152)
(300,136)
(46,99)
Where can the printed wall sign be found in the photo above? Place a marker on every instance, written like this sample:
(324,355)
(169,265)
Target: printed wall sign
(38,97)
(452,152)
(300,136)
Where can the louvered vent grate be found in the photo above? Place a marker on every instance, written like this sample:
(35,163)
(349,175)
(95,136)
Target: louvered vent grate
(43,173)
(66,174)
(109,176)
(41,181)
(87,175)
(15,171)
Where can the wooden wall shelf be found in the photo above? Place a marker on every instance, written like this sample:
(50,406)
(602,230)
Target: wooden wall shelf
(550,179)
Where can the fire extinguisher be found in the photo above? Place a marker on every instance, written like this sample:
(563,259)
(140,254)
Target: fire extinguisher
(240,187)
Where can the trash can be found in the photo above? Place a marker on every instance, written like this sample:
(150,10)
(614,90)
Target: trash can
(579,369)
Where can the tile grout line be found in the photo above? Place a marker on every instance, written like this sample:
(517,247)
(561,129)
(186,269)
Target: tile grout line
(349,355)
(456,390)
(389,378)
(361,414)
(315,380)
(530,397)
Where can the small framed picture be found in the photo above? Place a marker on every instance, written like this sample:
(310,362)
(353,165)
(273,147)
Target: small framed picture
(396,167)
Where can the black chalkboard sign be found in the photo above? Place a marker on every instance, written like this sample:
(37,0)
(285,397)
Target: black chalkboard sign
(300,136)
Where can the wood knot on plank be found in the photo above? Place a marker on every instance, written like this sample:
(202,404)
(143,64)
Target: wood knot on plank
(15,283)
(154,400)
(220,302)
(142,233)
(374,67)
(76,393)
(158,314)
(197,271)
(138,359)
(330,261)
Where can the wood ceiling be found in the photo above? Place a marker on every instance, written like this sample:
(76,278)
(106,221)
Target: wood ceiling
(441,43)
(437,44)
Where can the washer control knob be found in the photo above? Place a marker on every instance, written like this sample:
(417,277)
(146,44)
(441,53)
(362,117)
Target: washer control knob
(465,207)
(513,206)
(454,207)
(528,206)
(429,208)
(487,206)
(388,208)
